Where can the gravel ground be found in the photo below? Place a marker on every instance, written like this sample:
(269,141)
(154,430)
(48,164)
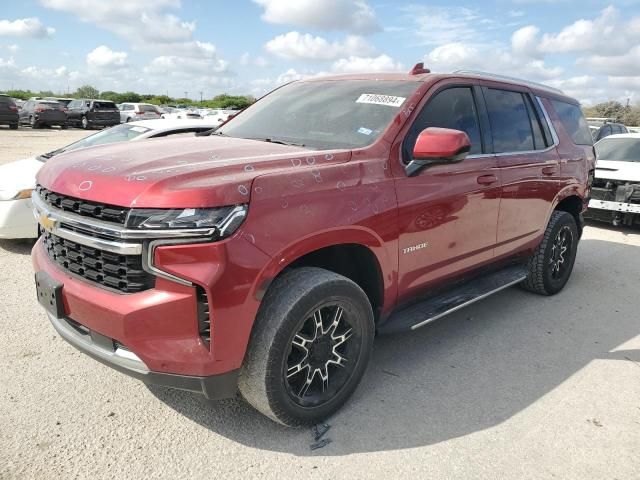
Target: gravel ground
(516,387)
(25,142)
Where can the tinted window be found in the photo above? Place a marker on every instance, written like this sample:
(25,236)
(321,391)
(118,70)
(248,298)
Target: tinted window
(452,108)
(604,131)
(510,124)
(5,99)
(573,122)
(147,108)
(621,149)
(623,129)
(104,105)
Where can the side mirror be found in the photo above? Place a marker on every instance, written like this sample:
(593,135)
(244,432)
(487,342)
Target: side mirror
(438,145)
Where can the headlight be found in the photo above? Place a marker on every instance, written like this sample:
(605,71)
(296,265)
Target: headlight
(9,195)
(225,220)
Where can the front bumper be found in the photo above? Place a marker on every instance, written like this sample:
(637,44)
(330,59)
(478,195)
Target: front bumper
(16,219)
(108,352)
(615,206)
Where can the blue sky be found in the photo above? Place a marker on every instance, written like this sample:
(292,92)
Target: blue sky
(590,49)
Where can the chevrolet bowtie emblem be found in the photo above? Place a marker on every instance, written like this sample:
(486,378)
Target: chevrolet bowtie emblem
(47,222)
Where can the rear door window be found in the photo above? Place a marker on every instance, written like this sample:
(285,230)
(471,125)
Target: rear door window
(511,125)
(453,108)
(574,122)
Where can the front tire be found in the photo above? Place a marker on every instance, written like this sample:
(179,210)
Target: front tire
(84,122)
(552,263)
(309,347)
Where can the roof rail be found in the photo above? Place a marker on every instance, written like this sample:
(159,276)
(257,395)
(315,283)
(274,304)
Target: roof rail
(507,78)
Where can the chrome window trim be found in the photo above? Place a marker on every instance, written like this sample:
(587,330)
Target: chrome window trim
(554,134)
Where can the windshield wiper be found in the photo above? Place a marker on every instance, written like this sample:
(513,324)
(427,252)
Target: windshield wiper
(213,131)
(281,142)
(48,155)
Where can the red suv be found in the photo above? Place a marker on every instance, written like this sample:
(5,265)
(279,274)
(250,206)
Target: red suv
(265,257)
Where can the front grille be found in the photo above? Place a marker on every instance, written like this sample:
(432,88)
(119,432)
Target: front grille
(123,273)
(99,211)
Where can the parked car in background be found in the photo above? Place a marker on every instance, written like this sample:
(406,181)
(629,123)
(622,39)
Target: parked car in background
(88,113)
(602,129)
(130,112)
(8,111)
(218,115)
(263,258)
(179,114)
(18,179)
(41,113)
(615,195)
(61,100)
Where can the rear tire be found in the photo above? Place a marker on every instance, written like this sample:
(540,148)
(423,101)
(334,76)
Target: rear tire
(84,122)
(309,347)
(13,126)
(552,263)
(33,122)
(64,126)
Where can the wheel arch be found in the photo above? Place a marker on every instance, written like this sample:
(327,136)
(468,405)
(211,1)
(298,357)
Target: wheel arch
(573,203)
(354,253)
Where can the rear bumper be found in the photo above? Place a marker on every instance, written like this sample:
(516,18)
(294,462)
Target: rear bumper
(8,118)
(110,353)
(104,122)
(51,119)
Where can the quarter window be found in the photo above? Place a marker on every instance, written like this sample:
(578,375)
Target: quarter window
(573,122)
(453,108)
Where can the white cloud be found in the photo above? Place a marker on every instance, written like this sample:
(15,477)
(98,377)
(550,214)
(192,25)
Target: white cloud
(608,34)
(462,56)
(104,57)
(354,64)
(347,15)
(441,25)
(627,64)
(524,42)
(140,21)
(13,48)
(298,46)
(8,63)
(25,27)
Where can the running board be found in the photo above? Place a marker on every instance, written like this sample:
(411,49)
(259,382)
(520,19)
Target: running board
(419,314)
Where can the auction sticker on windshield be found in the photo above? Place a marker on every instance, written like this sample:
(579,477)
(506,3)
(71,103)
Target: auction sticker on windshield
(389,100)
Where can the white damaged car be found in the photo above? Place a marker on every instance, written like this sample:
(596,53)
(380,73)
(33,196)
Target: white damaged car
(615,195)
(18,179)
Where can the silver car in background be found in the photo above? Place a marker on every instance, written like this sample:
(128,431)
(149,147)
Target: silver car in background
(131,112)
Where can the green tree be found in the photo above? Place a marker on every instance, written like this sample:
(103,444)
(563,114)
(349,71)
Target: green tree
(21,94)
(87,91)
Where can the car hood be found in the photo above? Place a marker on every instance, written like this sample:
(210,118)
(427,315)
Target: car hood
(176,173)
(18,175)
(616,170)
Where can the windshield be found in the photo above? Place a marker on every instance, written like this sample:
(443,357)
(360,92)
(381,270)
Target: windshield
(619,149)
(323,114)
(119,133)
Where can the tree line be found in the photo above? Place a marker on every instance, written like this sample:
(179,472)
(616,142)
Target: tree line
(626,114)
(87,91)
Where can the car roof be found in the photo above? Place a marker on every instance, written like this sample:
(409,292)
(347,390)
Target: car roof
(623,135)
(431,78)
(170,124)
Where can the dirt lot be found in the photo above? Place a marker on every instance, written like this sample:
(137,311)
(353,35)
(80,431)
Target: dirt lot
(25,142)
(516,387)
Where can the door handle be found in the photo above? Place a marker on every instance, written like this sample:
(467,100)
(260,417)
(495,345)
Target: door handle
(487,179)
(549,170)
